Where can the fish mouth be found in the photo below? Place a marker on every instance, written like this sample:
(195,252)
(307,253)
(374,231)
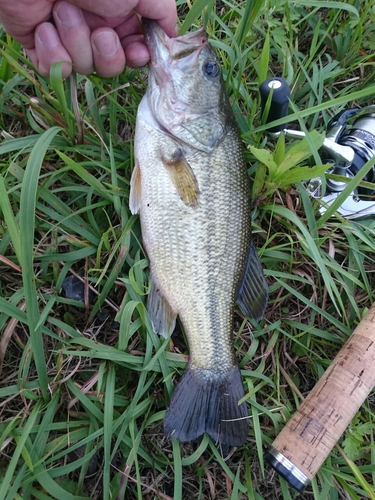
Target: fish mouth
(164,48)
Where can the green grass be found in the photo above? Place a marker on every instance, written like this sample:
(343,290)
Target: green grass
(82,399)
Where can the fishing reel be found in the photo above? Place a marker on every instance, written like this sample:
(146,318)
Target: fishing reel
(348,145)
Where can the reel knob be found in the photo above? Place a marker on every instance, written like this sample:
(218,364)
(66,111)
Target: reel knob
(278,107)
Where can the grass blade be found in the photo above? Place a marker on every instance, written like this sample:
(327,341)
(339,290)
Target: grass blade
(108,429)
(27,228)
(177,470)
(9,219)
(197,9)
(26,431)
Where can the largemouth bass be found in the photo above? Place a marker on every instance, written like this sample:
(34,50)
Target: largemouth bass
(191,189)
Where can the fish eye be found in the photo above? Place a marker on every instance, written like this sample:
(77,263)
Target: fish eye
(211,69)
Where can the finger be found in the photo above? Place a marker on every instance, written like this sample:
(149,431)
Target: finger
(31,53)
(132,41)
(165,12)
(107,8)
(128,27)
(49,50)
(94,21)
(74,35)
(109,56)
(136,52)
(20,19)
(27,40)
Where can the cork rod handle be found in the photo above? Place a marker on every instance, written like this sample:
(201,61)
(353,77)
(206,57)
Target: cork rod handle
(308,438)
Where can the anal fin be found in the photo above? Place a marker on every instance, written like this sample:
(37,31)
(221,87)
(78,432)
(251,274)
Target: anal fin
(162,316)
(252,294)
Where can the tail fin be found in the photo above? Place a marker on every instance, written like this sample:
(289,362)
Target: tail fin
(207,401)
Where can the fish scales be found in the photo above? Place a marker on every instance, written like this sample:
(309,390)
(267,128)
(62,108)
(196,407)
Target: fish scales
(192,249)
(194,207)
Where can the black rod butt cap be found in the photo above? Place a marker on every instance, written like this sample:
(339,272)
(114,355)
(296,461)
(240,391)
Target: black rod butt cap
(279,100)
(287,470)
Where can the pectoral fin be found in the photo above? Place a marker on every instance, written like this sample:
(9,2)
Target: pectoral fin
(252,294)
(183,178)
(162,316)
(135,190)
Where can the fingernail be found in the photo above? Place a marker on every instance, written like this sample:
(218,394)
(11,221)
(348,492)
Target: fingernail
(68,15)
(106,43)
(47,36)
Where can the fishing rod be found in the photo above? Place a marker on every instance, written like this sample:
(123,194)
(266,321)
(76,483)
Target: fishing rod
(310,435)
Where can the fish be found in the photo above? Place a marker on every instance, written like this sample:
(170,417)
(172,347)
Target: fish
(191,189)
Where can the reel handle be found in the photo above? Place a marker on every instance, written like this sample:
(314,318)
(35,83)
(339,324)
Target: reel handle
(308,438)
(279,100)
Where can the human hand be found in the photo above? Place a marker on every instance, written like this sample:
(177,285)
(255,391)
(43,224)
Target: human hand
(87,36)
